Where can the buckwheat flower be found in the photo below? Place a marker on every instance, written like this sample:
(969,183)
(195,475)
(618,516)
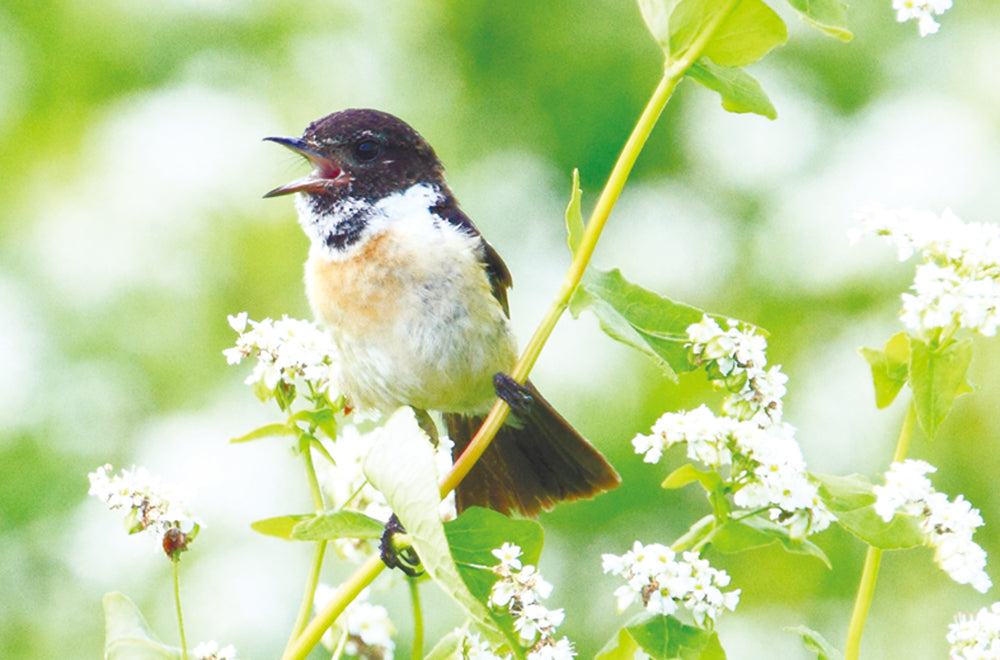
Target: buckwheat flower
(368,628)
(664,583)
(923,11)
(474,648)
(553,650)
(947,525)
(211,651)
(149,506)
(520,591)
(509,554)
(957,285)
(975,638)
(286,349)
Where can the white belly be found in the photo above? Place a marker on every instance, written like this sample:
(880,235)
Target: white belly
(413,314)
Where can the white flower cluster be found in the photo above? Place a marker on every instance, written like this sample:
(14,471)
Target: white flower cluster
(947,525)
(367,627)
(739,358)
(149,506)
(922,11)
(976,638)
(286,349)
(663,582)
(957,283)
(765,464)
(520,590)
(211,651)
(346,486)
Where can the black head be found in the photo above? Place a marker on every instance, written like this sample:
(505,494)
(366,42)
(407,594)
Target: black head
(361,154)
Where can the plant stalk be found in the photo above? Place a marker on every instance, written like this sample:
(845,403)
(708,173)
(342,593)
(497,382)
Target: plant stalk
(866,589)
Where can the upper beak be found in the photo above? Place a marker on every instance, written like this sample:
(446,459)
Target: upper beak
(325,172)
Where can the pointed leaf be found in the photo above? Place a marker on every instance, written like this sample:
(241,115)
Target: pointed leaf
(757,531)
(279,526)
(851,499)
(688,473)
(654,325)
(830,16)
(745,36)
(127,635)
(844,493)
(401,466)
(890,368)
(574,216)
(338,525)
(739,90)
(937,377)
(662,638)
(267,431)
(449,647)
(816,643)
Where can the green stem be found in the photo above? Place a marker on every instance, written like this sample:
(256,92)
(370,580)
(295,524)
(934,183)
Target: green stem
(866,589)
(348,591)
(418,620)
(305,607)
(177,601)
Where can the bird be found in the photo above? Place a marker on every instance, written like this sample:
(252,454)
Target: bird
(415,300)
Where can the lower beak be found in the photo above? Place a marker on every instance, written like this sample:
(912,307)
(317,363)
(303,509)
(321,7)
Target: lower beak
(326,172)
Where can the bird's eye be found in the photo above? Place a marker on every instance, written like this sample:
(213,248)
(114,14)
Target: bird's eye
(366,150)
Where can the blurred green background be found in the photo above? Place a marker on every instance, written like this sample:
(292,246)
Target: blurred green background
(132,223)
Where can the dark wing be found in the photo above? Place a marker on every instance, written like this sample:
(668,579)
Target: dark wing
(496,269)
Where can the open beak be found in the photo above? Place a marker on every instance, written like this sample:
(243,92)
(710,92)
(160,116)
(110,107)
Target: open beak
(326,172)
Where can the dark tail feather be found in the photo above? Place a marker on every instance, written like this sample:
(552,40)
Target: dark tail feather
(536,460)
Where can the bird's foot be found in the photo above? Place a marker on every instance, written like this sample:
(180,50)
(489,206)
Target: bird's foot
(514,394)
(399,556)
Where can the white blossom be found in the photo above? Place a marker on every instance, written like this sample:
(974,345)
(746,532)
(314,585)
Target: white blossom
(922,11)
(956,285)
(286,349)
(149,505)
(975,638)
(211,651)
(947,525)
(663,582)
(520,591)
(368,628)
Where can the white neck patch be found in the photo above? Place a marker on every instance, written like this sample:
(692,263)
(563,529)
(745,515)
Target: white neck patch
(365,218)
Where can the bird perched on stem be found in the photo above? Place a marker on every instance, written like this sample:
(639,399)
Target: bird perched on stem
(416,301)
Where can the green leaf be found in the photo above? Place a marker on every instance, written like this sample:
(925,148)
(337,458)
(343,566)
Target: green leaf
(280,526)
(656,14)
(267,431)
(449,647)
(127,636)
(662,638)
(574,216)
(815,643)
(890,368)
(654,325)
(851,499)
(324,419)
(739,90)
(757,531)
(401,466)
(688,473)
(745,36)
(937,377)
(338,525)
(474,535)
(830,16)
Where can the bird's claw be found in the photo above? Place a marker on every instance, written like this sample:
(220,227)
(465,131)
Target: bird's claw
(404,558)
(514,394)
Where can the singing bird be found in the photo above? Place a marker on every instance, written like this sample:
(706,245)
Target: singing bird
(416,302)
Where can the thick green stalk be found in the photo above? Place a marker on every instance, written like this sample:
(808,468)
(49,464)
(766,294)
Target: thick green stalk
(866,589)
(418,619)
